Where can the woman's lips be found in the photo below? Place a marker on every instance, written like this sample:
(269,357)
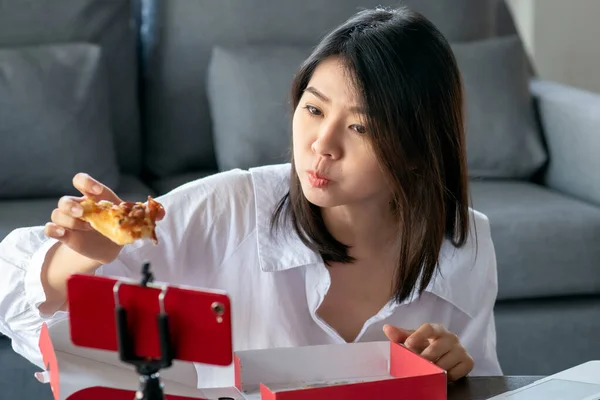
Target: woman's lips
(317,180)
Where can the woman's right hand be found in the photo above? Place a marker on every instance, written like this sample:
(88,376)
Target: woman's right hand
(77,234)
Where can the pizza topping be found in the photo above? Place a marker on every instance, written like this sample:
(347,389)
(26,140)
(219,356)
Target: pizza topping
(123,223)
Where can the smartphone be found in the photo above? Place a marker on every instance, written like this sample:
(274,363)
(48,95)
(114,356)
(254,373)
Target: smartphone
(199,320)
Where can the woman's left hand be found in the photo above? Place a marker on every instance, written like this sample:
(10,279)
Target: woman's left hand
(436,344)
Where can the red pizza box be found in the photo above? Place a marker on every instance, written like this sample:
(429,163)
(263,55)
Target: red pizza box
(82,363)
(373,370)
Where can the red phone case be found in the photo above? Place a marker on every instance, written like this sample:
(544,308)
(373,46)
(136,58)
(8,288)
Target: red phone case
(199,331)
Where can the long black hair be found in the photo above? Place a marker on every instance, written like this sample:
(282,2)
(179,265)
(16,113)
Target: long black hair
(411,88)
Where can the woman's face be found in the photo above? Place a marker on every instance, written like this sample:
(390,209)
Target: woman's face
(333,155)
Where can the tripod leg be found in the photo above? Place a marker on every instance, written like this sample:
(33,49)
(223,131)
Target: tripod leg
(150,388)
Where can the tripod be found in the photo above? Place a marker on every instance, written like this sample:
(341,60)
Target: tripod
(148,369)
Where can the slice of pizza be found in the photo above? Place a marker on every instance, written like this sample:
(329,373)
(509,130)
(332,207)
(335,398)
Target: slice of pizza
(122,223)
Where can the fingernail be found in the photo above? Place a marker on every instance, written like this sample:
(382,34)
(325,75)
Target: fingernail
(77,211)
(97,189)
(60,231)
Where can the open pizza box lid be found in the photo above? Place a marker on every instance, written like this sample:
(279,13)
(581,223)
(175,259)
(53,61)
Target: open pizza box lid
(76,373)
(80,352)
(342,371)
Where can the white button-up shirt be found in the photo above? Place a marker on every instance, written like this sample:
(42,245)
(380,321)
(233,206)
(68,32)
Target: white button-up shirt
(216,234)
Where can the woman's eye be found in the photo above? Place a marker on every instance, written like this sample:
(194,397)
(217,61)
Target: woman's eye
(312,110)
(359,128)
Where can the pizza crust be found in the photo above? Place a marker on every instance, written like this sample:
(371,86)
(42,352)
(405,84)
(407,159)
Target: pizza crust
(122,223)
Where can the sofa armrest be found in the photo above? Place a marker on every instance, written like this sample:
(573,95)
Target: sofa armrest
(570,120)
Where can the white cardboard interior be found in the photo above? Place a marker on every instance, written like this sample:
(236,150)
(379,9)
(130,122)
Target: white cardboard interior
(82,367)
(287,368)
(282,387)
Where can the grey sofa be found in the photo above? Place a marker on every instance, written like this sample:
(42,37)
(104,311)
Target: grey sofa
(162,98)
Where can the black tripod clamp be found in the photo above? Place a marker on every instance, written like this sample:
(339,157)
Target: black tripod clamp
(148,368)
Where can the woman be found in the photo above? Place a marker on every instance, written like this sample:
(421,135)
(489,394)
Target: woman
(367,233)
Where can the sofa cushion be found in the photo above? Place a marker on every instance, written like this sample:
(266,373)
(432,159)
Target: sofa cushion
(36,212)
(503,140)
(55,120)
(546,243)
(131,188)
(248,91)
(165,185)
(183,33)
(528,330)
(109,24)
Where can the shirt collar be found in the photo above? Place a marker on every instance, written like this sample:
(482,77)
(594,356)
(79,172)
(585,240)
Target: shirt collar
(282,248)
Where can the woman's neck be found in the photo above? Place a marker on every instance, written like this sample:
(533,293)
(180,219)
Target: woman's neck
(368,232)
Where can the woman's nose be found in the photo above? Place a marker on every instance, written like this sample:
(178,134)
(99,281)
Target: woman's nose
(327,144)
